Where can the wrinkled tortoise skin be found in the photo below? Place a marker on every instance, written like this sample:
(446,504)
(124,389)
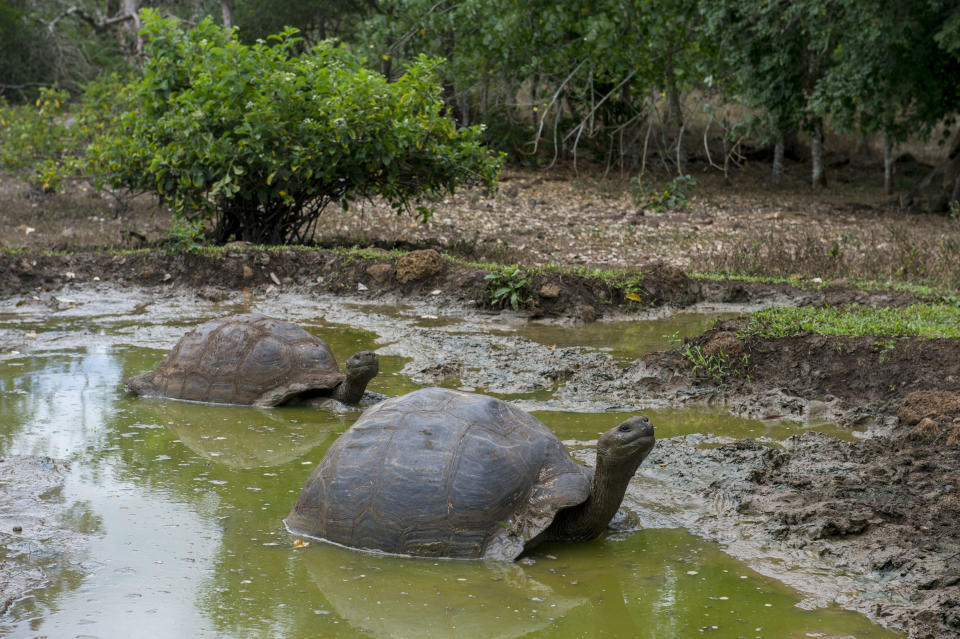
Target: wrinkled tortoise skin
(440,473)
(242,359)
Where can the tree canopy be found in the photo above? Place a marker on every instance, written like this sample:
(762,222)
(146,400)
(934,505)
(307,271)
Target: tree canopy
(620,81)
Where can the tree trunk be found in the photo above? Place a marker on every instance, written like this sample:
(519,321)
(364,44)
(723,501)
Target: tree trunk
(464,101)
(778,148)
(132,27)
(386,66)
(939,190)
(484,98)
(675,114)
(226,10)
(819,175)
(888,163)
(534,121)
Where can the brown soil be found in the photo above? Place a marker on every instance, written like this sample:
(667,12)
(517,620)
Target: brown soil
(891,499)
(894,500)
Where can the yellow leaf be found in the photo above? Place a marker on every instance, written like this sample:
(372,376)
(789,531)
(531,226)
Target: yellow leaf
(299,543)
(634,297)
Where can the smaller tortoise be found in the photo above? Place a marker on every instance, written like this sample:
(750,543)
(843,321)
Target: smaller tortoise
(441,473)
(254,359)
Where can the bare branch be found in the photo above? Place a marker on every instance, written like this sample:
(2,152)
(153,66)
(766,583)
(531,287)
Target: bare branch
(556,94)
(99,26)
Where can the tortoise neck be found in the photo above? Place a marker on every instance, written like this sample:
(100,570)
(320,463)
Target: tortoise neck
(589,519)
(351,389)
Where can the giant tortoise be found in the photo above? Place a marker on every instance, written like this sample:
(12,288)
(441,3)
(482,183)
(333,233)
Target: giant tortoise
(254,359)
(441,473)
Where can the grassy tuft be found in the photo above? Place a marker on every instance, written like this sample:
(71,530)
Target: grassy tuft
(916,320)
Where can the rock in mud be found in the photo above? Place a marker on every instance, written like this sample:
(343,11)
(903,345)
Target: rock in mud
(380,272)
(587,313)
(928,404)
(664,283)
(550,291)
(418,265)
(724,343)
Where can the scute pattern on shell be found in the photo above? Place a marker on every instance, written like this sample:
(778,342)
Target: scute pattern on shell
(242,359)
(440,473)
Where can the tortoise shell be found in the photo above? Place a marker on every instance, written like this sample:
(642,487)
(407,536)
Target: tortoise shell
(242,359)
(440,473)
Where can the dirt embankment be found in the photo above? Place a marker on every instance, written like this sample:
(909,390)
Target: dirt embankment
(375,272)
(885,508)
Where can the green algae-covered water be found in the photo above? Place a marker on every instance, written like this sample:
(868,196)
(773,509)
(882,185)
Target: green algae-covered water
(183,505)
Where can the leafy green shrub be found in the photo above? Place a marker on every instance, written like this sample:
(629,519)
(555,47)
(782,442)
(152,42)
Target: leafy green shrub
(185,236)
(43,144)
(506,286)
(35,138)
(675,194)
(260,141)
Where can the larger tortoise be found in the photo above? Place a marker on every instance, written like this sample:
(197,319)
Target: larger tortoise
(254,359)
(441,473)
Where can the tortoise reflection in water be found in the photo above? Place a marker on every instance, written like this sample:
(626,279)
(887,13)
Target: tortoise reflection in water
(254,359)
(440,473)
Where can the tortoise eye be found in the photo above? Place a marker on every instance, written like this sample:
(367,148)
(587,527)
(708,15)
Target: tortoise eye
(624,428)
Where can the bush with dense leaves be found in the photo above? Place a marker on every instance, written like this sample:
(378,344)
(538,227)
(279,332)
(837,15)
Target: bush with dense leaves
(34,139)
(260,141)
(43,144)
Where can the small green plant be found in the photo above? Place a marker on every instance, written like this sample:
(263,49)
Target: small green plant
(886,346)
(505,287)
(185,236)
(674,195)
(715,365)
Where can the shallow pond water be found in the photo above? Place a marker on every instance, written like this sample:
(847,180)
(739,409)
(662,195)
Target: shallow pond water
(624,340)
(183,504)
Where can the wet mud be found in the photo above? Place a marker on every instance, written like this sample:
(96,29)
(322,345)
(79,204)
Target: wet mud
(42,537)
(377,273)
(869,524)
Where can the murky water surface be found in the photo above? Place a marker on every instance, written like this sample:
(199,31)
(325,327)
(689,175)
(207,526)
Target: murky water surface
(184,504)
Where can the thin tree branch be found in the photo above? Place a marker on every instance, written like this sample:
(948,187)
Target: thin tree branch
(98,25)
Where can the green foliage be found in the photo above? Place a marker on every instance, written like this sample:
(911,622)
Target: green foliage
(716,365)
(43,144)
(34,139)
(506,287)
(21,69)
(674,196)
(916,320)
(259,141)
(316,21)
(185,236)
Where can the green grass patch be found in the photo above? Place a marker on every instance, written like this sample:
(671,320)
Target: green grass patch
(916,320)
(934,292)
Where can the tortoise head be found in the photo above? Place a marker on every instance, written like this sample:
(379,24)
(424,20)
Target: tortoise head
(362,364)
(627,444)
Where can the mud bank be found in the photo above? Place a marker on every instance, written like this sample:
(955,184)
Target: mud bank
(870,525)
(377,273)
(881,512)
(42,538)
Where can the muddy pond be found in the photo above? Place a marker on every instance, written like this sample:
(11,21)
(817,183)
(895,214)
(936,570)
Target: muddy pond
(168,519)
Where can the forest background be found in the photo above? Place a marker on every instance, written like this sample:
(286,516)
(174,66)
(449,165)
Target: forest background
(634,86)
